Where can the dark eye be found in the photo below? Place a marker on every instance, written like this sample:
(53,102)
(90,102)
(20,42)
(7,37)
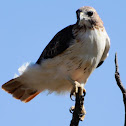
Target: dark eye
(90,13)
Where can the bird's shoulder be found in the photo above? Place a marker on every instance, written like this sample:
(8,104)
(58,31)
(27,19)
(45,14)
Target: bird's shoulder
(59,43)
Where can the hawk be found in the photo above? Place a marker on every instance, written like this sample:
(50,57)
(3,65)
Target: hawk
(71,56)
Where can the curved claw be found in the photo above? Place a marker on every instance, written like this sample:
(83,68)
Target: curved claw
(72,109)
(71,96)
(84,91)
(72,93)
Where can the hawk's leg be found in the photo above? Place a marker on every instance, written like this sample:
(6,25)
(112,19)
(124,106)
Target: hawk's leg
(78,110)
(75,88)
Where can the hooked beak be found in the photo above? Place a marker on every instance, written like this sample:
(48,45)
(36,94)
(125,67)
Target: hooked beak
(80,15)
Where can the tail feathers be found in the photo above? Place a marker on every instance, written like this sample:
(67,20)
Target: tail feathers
(19,90)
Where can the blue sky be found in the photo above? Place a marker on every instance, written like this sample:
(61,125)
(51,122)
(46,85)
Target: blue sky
(26,27)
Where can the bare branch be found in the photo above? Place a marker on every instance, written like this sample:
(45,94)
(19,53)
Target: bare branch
(78,111)
(117,76)
(119,83)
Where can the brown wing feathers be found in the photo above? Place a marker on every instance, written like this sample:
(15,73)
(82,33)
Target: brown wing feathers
(59,43)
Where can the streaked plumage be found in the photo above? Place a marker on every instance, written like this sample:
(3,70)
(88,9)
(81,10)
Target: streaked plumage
(73,53)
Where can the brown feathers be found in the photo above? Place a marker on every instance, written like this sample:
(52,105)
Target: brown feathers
(19,90)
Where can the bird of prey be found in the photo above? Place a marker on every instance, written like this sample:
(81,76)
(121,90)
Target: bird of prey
(70,57)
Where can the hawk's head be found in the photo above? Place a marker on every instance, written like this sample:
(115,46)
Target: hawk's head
(88,16)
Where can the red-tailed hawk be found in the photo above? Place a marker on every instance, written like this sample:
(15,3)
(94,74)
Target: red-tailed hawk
(71,56)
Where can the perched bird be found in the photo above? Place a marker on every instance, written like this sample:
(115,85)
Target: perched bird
(70,57)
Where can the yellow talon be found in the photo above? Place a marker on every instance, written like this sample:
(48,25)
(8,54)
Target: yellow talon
(75,89)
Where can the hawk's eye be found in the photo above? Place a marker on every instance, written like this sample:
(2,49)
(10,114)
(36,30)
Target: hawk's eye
(90,13)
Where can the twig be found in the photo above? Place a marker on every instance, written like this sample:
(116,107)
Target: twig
(119,83)
(78,111)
